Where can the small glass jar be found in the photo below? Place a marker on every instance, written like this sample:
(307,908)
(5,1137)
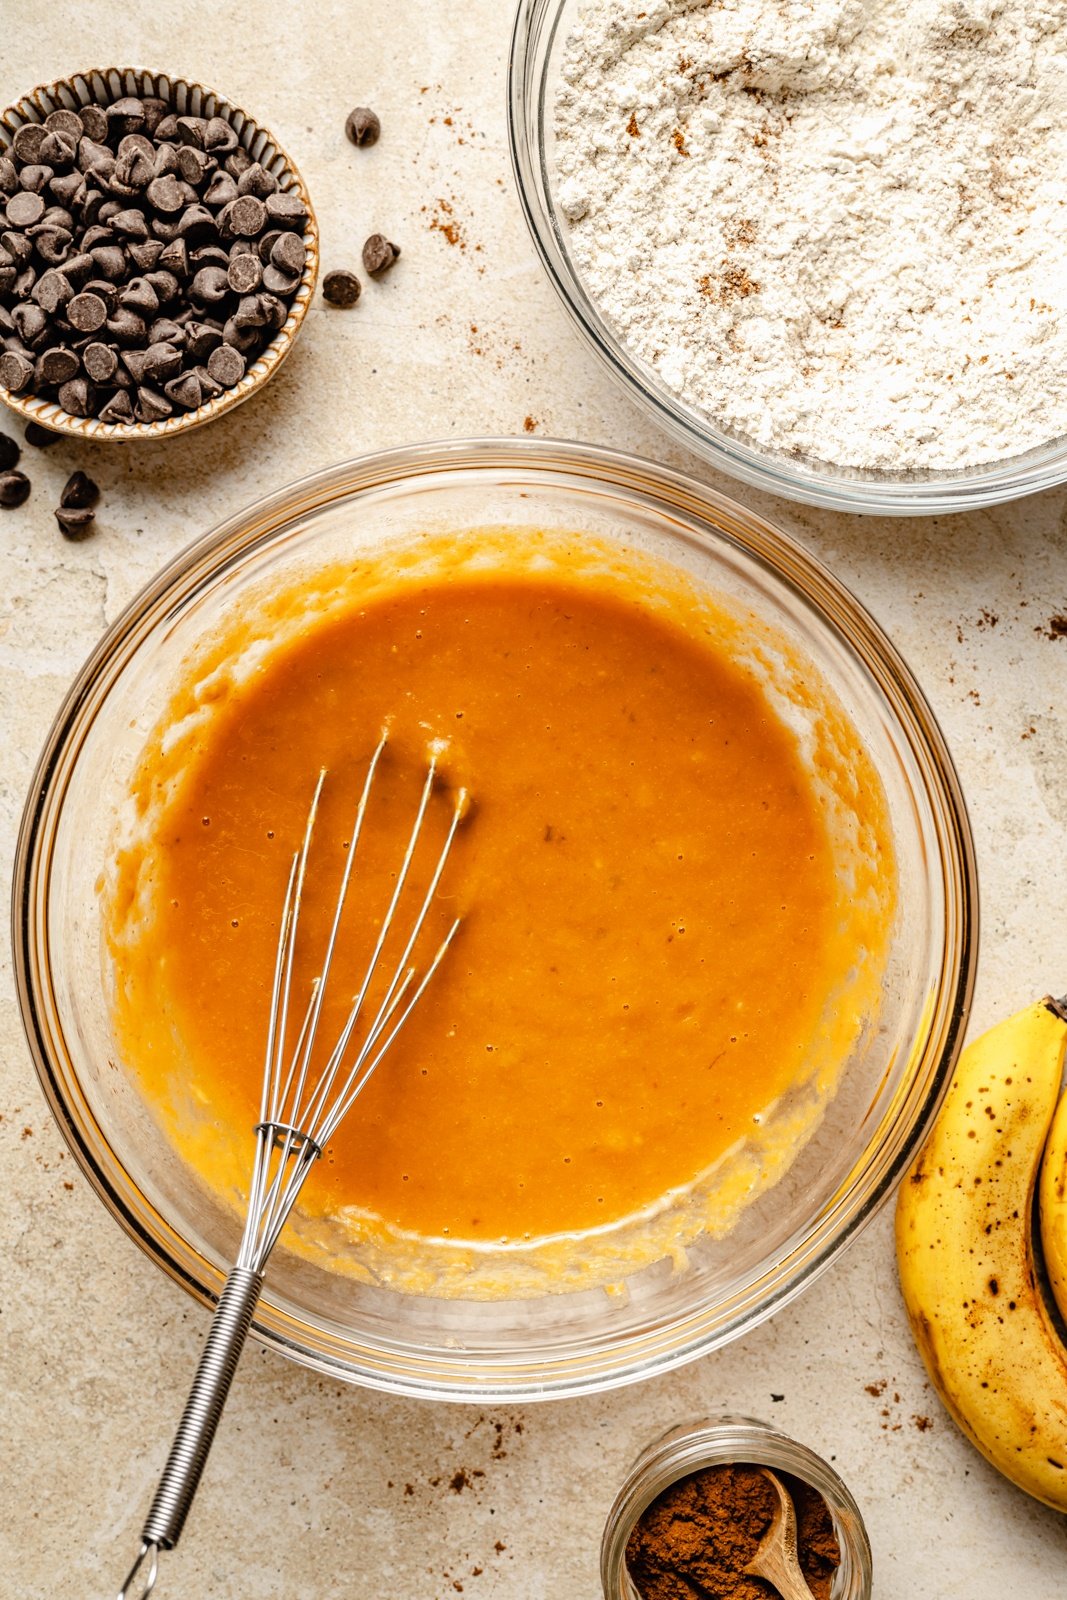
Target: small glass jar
(717,1441)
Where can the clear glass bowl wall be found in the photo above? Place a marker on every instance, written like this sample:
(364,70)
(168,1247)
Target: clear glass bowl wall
(540,32)
(558,1343)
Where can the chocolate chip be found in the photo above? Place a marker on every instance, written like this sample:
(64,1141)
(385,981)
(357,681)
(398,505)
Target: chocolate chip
(77,270)
(32,323)
(226,365)
(40,437)
(56,366)
(162,362)
(166,331)
(184,391)
(154,111)
(219,136)
(24,209)
(190,130)
(104,290)
(69,189)
(131,224)
(167,127)
(256,180)
(76,522)
(28,141)
(79,491)
(86,313)
(94,122)
(125,116)
(210,286)
(139,296)
(9,181)
(174,257)
(279,282)
(245,274)
(145,253)
(289,254)
(64,121)
(109,260)
(201,338)
(152,406)
(100,361)
(246,216)
(52,291)
(78,397)
(35,179)
(16,371)
(238,162)
(126,326)
(53,245)
(14,489)
(165,284)
(18,247)
(362,126)
(9,452)
(286,210)
(246,340)
(341,288)
(197,224)
(59,148)
(209,389)
(220,191)
(118,408)
(194,165)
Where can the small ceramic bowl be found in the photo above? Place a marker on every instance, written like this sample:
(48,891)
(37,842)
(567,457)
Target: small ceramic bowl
(719,1441)
(101,86)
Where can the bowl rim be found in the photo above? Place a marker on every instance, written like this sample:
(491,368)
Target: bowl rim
(870,492)
(442,1375)
(34,106)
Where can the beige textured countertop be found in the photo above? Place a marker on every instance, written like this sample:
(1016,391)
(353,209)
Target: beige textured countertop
(316,1491)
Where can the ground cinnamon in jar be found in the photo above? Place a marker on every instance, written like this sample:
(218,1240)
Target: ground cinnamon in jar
(695,1540)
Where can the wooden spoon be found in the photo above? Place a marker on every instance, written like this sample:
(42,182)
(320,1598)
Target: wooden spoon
(777,1559)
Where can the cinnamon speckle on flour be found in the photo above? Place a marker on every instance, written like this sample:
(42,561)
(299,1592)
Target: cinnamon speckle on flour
(886,183)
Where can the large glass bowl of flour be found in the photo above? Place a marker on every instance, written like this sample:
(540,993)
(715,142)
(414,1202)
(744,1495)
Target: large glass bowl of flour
(830,265)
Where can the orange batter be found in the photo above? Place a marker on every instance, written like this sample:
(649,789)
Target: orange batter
(653,917)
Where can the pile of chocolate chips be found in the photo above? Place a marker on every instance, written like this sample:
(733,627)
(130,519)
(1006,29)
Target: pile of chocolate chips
(145,260)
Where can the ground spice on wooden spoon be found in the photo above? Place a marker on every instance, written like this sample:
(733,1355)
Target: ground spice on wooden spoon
(695,1540)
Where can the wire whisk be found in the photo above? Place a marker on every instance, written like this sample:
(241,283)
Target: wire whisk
(300,1111)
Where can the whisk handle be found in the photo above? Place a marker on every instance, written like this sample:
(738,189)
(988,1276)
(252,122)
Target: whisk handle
(207,1397)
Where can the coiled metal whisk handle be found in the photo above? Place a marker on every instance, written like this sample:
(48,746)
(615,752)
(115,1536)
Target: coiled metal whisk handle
(196,1430)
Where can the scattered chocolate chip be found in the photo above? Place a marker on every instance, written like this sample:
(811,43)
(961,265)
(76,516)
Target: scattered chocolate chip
(362,126)
(9,452)
(341,288)
(379,255)
(226,365)
(40,437)
(76,522)
(79,491)
(14,489)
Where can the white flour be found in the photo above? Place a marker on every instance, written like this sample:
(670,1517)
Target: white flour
(839,227)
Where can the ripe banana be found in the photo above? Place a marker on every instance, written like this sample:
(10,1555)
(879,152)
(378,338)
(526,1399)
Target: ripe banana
(1052,1203)
(964,1249)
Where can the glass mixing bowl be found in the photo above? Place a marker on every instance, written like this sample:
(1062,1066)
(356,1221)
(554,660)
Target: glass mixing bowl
(558,1343)
(540,32)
